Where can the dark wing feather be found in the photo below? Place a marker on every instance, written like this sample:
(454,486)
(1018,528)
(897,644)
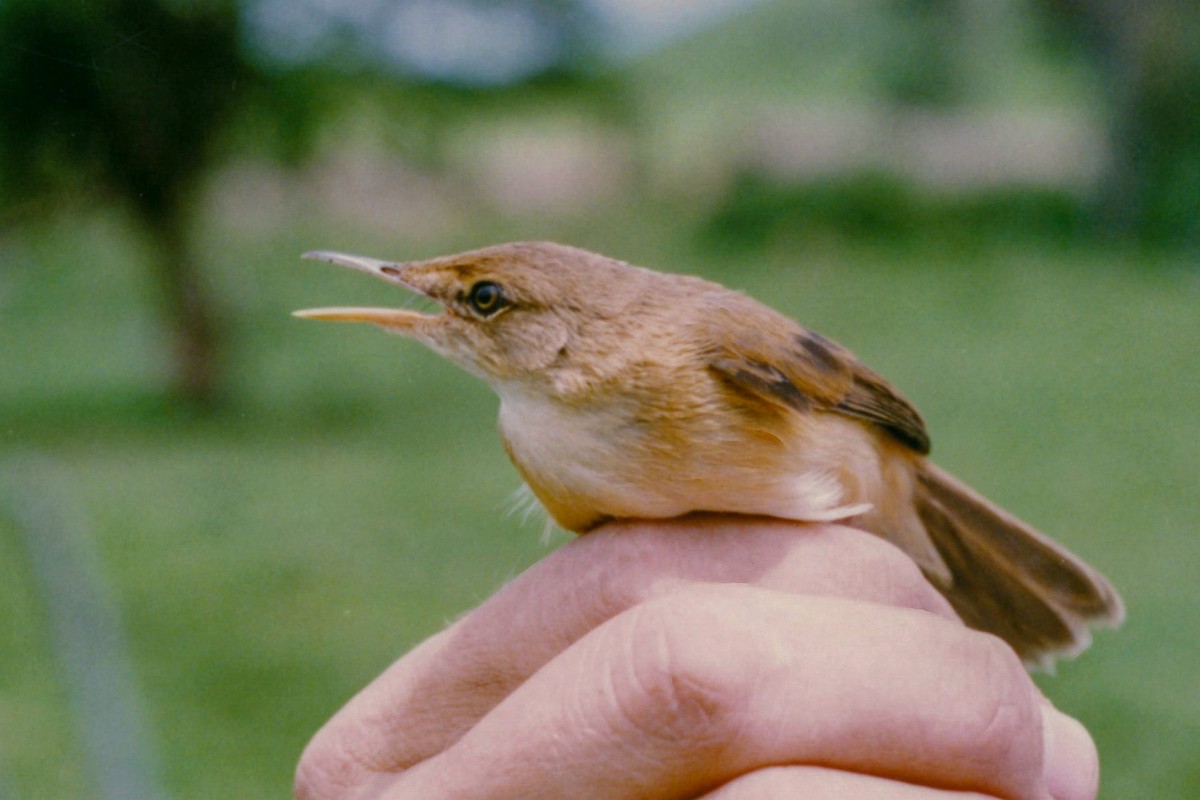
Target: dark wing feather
(769,356)
(873,399)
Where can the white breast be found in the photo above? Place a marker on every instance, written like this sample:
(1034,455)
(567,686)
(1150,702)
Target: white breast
(594,457)
(577,452)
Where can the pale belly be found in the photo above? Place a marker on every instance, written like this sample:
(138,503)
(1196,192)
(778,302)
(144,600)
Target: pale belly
(586,465)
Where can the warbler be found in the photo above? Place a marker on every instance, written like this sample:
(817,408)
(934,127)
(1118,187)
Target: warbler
(631,393)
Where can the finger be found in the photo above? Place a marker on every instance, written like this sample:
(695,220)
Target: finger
(819,783)
(1072,766)
(425,701)
(685,692)
(830,560)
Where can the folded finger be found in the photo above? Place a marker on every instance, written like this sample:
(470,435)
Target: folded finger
(425,701)
(683,693)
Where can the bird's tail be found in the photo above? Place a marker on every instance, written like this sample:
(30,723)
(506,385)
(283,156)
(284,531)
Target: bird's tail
(1008,579)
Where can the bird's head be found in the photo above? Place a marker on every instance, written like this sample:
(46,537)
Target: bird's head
(509,311)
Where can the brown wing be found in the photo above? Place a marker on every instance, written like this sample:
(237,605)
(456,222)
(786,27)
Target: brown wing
(873,399)
(766,354)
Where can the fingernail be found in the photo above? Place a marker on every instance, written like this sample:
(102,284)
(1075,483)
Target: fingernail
(1071,766)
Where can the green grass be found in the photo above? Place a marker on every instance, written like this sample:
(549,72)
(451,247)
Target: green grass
(270,560)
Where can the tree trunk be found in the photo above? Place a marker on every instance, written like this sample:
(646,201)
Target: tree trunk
(1146,55)
(190,315)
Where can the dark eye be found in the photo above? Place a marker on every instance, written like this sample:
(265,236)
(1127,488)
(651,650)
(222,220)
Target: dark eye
(486,298)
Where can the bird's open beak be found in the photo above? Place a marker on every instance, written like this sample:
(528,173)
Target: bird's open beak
(393,319)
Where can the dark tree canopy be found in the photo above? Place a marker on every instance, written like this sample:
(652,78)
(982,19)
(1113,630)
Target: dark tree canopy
(125,99)
(124,92)
(1147,57)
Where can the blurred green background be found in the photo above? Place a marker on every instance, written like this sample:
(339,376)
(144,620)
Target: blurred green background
(218,522)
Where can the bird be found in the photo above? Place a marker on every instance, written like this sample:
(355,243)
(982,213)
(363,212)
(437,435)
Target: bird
(630,393)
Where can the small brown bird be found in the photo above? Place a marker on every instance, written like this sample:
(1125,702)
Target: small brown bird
(629,393)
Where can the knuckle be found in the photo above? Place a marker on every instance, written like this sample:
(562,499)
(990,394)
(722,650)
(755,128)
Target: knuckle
(1005,719)
(670,684)
(325,769)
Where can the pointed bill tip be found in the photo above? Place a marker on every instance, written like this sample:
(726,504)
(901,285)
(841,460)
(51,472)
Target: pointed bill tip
(310,313)
(341,259)
(387,270)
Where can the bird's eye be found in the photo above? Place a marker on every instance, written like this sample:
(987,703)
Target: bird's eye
(486,298)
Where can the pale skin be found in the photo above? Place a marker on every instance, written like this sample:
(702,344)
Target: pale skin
(723,658)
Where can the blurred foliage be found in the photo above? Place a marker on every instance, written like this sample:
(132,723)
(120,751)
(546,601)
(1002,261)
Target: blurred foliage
(881,208)
(1128,69)
(1147,58)
(125,99)
(124,92)
(921,63)
(138,101)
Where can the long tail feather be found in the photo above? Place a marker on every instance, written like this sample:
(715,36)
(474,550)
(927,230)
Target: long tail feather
(1009,579)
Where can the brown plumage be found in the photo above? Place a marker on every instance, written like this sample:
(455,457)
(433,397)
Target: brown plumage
(629,393)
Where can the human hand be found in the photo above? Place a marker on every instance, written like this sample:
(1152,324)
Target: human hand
(716,657)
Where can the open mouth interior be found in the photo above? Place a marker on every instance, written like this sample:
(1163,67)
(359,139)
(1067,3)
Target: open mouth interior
(402,318)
